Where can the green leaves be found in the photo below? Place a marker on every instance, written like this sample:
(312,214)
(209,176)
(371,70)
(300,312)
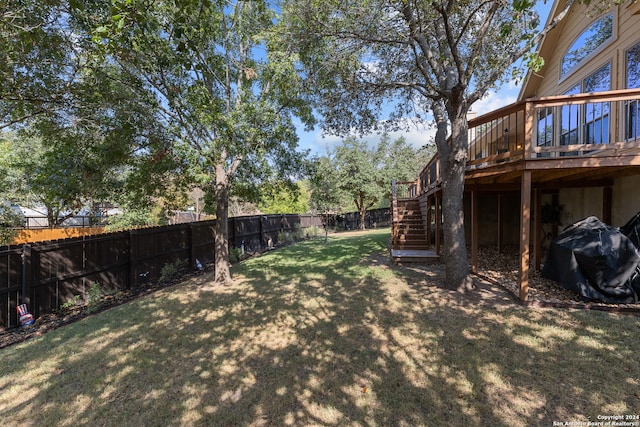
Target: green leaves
(359,175)
(522,5)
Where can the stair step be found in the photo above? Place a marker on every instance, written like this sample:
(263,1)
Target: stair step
(410,242)
(402,256)
(410,219)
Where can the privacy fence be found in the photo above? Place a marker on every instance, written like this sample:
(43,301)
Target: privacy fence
(46,275)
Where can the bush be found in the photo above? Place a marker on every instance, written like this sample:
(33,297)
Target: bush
(235,255)
(297,233)
(284,237)
(313,232)
(94,297)
(171,270)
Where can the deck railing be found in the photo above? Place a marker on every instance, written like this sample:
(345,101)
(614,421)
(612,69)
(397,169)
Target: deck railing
(588,124)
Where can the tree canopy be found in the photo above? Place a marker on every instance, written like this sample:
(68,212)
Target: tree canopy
(436,56)
(225,87)
(357,173)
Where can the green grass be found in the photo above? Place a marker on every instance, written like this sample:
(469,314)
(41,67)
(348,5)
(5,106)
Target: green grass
(325,334)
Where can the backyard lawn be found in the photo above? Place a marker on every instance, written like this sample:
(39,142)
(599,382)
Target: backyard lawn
(326,334)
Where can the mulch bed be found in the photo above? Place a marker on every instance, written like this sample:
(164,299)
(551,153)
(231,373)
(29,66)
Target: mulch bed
(502,269)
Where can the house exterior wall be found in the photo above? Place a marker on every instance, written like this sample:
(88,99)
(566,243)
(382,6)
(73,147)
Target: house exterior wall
(625,35)
(575,203)
(626,202)
(579,203)
(488,218)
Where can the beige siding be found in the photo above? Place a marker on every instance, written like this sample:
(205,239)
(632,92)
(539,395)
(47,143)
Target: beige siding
(579,203)
(626,200)
(625,35)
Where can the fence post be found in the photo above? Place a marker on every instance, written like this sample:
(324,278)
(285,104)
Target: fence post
(133,278)
(232,225)
(26,274)
(192,249)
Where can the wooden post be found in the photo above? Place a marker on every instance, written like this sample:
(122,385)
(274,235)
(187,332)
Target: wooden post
(26,275)
(394,213)
(474,232)
(525,234)
(429,218)
(537,228)
(529,113)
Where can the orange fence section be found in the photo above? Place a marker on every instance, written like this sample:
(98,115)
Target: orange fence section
(45,234)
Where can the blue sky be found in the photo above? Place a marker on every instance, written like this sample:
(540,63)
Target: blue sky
(318,144)
(505,95)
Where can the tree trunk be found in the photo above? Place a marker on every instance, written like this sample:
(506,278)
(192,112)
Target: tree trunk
(221,229)
(363,213)
(359,202)
(453,159)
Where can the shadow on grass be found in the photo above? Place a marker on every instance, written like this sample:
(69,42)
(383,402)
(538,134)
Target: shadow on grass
(325,334)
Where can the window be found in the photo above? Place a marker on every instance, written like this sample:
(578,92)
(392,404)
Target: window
(596,127)
(545,129)
(577,124)
(632,112)
(588,42)
(570,120)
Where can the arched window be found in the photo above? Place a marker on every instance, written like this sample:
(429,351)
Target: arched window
(589,41)
(633,67)
(633,81)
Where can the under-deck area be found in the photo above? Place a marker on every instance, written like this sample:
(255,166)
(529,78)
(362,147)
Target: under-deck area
(529,161)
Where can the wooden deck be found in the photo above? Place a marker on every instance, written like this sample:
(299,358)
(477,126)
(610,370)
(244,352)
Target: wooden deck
(415,256)
(527,148)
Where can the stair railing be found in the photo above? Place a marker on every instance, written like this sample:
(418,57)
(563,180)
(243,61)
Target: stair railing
(394,211)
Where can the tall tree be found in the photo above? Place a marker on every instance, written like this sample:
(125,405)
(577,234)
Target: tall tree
(227,89)
(417,55)
(327,199)
(282,197)
(36,60)
(362,173)
(89,125)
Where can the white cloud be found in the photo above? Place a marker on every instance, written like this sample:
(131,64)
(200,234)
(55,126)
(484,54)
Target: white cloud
(416,135)
(493,100)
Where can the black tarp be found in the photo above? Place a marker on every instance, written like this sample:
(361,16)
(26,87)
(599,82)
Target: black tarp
(632,230)
(597,261)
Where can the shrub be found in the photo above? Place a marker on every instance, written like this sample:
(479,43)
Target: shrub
(313,232)
(94,297)
(170,270)
(235,255)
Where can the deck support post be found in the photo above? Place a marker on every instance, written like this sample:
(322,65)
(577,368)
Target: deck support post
(429,219)
(525,234)
(537,228)
(474,231)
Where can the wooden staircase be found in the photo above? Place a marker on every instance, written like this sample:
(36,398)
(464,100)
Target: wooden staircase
(409,242)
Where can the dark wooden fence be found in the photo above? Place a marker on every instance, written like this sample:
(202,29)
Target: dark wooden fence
(46,275)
